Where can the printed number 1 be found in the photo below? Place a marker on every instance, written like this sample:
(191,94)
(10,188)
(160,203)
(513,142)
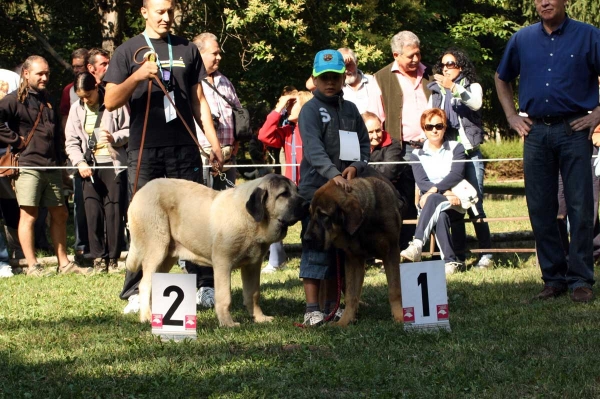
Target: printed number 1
(422,281)
(178,299)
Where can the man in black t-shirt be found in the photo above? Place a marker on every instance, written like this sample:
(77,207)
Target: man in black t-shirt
(169,150)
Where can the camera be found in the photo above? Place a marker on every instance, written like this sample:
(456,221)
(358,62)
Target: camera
(92,144)
(215,119)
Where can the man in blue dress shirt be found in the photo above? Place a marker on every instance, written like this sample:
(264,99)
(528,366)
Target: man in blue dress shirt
(558,61)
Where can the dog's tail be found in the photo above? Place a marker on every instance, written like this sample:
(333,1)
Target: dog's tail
(133,263)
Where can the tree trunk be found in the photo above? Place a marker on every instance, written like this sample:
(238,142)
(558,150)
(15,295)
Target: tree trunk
(111,16)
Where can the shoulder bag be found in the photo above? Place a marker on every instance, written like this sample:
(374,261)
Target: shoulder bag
(10,161)
(241,118)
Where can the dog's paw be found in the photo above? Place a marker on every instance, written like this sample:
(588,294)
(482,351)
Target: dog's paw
(263,319)
(230,324)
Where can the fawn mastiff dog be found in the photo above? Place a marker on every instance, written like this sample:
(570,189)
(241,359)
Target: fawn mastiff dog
(363,223)
(173,218)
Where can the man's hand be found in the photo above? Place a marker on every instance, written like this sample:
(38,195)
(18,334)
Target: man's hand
(590,122)
(216,158)
(444,81)
(349,173)
(342,182)
(84,170)
(148,70)
(520,124)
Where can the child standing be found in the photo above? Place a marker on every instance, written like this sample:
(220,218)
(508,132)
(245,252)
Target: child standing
(336,147)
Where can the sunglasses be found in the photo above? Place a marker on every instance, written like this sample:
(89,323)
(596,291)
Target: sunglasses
(449,65)
(437,126)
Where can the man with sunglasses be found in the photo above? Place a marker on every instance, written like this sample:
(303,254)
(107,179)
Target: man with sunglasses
(558,60)
(404,96)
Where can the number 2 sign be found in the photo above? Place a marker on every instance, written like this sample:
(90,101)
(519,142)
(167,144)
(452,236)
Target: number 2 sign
(174,305)
(424,295)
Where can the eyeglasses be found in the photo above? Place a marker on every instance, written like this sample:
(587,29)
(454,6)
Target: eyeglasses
(437,126)
(449,65)
(375,131)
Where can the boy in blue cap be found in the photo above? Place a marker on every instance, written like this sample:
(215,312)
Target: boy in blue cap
(336,146)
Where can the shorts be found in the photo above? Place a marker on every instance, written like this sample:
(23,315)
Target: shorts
(39,188)
(319,265)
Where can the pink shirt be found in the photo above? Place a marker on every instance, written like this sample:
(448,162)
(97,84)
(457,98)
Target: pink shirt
(415,102)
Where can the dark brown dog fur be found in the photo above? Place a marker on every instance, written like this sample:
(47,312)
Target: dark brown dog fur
(364,223)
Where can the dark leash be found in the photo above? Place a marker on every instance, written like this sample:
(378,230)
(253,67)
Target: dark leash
(150,55)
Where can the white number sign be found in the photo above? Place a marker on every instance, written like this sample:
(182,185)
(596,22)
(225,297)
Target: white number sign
(424,295)
(174,305)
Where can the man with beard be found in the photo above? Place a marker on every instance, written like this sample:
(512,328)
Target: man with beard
(29,124)
(359,88)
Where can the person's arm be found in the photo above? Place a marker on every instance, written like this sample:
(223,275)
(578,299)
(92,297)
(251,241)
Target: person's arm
(203,117)
(121,125)
(74,144)
(117,95)
(520,124)
(457,170)
(421,178)
(313,150)
(590,121)
(8,110)
(271,134)
(472,98)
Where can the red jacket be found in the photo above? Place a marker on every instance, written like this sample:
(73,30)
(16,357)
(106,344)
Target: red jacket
(281,137)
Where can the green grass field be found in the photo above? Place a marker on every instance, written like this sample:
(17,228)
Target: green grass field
(65,337)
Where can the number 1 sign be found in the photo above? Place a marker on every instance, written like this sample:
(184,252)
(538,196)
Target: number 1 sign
(174,306)
(424,296)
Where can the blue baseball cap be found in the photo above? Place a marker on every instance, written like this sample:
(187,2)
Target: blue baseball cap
(328,61)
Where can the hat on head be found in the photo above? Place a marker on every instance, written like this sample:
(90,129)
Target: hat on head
(328,61)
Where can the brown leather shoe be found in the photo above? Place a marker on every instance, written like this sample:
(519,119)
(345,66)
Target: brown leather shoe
(582,294)
(550,292)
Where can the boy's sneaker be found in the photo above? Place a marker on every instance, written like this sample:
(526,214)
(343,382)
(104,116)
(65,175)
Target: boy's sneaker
(38,270)
(412,253)
(73,267)
(313,319)
(485,262)
(134,304)
(100,266)
(6,271)
(205,297)
(272,269)
(451,267)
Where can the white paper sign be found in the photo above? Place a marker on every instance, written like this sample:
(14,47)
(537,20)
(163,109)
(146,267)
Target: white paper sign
(349,146)
(170,112)
(174,305)
(424,295)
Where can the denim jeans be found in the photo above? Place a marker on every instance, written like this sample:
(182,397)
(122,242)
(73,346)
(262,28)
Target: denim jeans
(548,151)
(3,251)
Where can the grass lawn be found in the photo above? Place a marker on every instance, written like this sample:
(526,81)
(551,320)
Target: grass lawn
(65,337)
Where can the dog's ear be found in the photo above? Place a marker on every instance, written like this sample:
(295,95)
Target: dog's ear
(256,204)
(353,215)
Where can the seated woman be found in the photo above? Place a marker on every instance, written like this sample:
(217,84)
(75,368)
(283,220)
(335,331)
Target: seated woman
(288,138)
(95,137)
(435,174)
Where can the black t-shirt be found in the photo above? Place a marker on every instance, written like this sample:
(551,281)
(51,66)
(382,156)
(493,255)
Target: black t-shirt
(187,72)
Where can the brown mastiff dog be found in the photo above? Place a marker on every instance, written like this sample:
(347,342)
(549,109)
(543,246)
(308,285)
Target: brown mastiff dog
(173,218)
(363,223)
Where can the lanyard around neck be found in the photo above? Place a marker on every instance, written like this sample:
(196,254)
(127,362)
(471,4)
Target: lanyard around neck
(157,59)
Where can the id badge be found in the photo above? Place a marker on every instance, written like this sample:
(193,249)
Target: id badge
(349,146)
(170,113)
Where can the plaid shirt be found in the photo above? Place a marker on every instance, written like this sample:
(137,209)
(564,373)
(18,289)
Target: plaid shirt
(219,107)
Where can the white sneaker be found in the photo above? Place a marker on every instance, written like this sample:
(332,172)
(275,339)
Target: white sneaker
(452,266)
(485,262)
(6,271)
(272,269)
(205,297)
(412,253)
(134,304)
(313,319)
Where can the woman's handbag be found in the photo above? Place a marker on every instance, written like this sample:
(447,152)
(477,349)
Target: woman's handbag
(241,118)
(10,161)
(467,195)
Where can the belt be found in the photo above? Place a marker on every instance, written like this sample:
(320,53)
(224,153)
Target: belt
(556,119)
(414,144)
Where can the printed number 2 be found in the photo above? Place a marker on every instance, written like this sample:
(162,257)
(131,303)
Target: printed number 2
(422,281)
(178,299)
